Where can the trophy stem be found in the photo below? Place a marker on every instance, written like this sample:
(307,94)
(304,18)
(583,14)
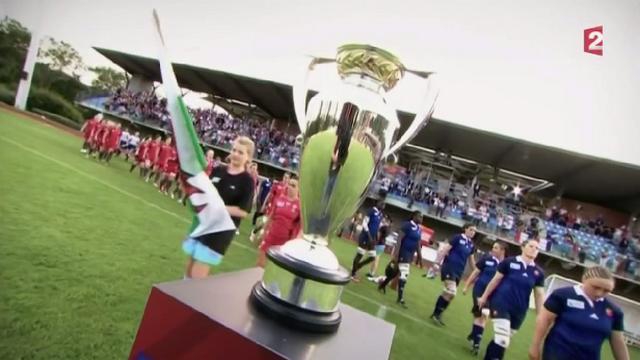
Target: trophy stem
(296,290)
(316,240)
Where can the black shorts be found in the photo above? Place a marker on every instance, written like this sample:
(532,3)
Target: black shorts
(405,258)
(516,318)
(218,242)
(446,275)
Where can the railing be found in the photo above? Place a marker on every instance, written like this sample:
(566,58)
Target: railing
(490,229)
(59,119)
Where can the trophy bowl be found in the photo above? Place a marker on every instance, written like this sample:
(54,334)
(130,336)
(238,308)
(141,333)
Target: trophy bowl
(347,130)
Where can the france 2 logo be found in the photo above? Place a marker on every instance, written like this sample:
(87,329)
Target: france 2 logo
(593,41)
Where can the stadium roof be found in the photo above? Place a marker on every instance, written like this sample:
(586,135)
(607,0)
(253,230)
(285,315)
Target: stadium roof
(581,177)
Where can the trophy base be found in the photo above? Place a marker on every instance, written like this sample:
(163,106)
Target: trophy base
(293,316)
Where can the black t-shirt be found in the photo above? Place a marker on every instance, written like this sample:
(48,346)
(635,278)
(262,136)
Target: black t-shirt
(235,190)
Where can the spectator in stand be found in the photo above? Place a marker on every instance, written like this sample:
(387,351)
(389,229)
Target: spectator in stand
(623,246)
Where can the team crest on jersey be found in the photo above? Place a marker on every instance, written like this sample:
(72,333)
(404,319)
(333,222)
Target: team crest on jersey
(609,312)
(280,204)
(514,266)
(462,242)
(489,263)
(536,272)
(576,304)
(215,180)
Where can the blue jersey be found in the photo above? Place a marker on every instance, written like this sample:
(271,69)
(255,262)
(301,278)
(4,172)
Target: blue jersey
(265,188)
(456,260)
(581,324)
(410,241)
(374,217)
(488,265)
(514,291)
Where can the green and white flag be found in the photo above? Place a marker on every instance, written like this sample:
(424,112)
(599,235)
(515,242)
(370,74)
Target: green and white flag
(210,213)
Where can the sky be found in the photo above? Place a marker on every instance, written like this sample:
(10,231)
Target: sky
(515,68)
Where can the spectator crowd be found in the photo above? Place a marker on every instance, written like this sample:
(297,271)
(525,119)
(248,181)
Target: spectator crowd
(214,127)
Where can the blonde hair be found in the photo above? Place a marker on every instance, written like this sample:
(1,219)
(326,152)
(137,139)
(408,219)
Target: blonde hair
(249,146)
(597,272)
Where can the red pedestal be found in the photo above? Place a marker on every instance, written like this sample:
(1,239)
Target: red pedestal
(212,319)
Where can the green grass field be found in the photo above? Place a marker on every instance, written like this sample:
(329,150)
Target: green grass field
(81,244)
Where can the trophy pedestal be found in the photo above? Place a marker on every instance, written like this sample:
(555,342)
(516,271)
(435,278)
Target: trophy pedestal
(291,316)
(213,318)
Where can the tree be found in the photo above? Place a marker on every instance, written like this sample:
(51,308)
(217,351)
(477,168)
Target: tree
(14,43)
(109,79)
(63,57)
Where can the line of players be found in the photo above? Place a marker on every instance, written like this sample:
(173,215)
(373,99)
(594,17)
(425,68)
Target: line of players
(156,158)
(573,322)
(103,139)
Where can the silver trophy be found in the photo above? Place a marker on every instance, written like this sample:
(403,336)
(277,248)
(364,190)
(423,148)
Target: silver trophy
(347,132)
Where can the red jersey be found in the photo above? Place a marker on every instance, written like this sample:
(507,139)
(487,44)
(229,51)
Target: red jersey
(163,154)
(141,152)
(89,128)
(210,166)
(152,150)
(98,133)
(278,189)
(171,167)
(113,138)
(284,221)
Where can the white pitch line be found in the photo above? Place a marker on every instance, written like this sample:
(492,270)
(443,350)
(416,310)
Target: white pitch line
(170,213)
(89,176)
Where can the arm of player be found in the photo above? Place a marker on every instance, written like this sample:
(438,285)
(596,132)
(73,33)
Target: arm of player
(618,346)
(396,251)
(472,264)
(236,211)
(365,228)
(538,295)
(419,252)
(266,201)
(543,323)
(471,280)
(443,253)
(493,284)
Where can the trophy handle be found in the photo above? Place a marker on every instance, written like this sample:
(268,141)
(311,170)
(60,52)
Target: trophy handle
(422,117)
(301,89)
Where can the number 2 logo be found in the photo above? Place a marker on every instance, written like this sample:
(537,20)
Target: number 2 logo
(593,40)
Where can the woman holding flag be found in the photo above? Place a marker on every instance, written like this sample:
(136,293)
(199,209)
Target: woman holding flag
(217,209)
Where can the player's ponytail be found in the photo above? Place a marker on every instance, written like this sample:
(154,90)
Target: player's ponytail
(597,272)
